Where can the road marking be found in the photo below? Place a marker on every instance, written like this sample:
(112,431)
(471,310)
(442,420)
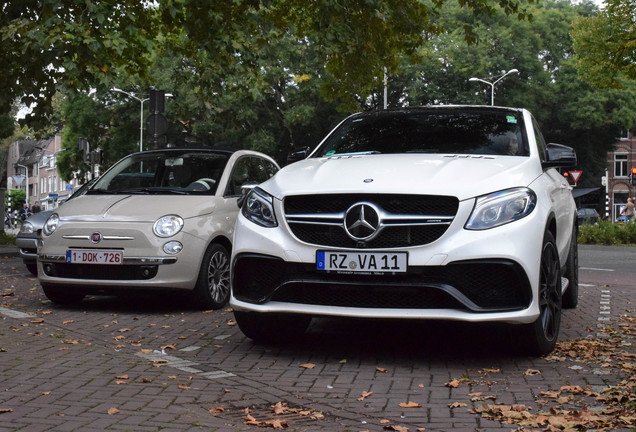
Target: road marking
(13,314)
(183,365)
(596,269)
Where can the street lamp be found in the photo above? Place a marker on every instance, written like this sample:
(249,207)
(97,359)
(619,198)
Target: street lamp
(492,84)
(141,113)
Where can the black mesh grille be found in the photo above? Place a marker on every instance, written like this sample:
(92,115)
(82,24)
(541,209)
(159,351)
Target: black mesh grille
(478,286)
(101,272)
(404,206)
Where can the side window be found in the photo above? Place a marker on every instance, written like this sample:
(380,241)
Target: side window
(541,145)
(240,175)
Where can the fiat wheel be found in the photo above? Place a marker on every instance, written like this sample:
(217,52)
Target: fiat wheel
(212,290)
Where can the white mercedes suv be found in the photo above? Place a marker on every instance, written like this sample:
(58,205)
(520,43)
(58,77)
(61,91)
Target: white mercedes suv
(441,212)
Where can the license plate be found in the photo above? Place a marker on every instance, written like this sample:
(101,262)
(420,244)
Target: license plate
(94,256)
(362,262)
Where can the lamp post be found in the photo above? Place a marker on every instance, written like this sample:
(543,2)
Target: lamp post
(492,84)
(141,113)
(26,176)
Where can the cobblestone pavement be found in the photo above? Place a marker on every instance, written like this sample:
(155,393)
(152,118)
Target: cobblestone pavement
(156,364)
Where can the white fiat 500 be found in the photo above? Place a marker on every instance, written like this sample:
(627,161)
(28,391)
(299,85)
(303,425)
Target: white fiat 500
(449,212)
(161,219)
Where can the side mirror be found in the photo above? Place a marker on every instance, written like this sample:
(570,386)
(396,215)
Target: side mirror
(245,189)
(559,156)
(298,154)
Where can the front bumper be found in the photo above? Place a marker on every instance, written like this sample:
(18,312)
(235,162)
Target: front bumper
(144,263)
(489,275)
(27,247)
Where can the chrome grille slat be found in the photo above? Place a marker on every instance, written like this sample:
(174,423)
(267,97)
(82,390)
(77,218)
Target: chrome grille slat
(320,220)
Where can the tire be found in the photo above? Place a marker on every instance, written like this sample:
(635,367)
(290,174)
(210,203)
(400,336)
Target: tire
(541,336)
(63,296)
(571,295)
(32,268)
(212,290)
(262,327)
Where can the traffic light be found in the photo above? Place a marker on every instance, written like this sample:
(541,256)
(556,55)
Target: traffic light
(632,177)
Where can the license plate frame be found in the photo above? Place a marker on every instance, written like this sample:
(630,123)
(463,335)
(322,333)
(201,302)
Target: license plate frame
(362,262)
(95,256)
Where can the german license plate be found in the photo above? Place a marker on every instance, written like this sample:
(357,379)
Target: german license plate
(94,256)
(362,262)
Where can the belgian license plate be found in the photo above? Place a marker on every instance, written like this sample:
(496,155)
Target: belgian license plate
(362,262)
(94,256)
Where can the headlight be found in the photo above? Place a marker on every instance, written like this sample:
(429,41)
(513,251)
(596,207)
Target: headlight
(167,226)
(51,224)
(500,208)
(26,228)
(259,208)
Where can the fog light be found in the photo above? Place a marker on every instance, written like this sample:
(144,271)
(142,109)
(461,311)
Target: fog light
(173,247)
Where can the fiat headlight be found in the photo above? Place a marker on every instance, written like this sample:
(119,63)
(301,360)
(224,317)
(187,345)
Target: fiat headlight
(51,224)
(500,208)
(259,208)
(167,226)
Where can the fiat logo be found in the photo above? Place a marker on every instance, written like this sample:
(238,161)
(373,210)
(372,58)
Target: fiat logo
(96,237)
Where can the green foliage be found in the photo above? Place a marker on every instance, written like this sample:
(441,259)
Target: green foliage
(608,233)
(7,239)
(74,44)
(605,44)
(18,197)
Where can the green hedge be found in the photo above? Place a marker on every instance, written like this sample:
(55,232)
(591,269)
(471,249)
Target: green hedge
(608,233)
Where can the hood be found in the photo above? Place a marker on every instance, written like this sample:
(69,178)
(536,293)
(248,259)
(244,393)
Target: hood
(139,208)
(462,176)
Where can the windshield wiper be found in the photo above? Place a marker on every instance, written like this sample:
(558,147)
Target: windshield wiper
(354,153)
(152,190)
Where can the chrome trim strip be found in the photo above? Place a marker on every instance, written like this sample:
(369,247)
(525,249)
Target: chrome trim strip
(87,237)
(126,261)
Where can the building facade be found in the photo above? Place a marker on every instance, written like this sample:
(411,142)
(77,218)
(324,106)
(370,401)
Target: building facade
(32,167)
(620,163)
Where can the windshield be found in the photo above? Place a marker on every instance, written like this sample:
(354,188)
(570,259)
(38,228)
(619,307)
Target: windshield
(447,131)
(169,172)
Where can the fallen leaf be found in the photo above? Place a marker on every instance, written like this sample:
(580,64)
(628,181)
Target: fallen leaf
(381,369)
(113,411)
(279,408)
(308,365)
(122,377)
(5,410)
(410,405)
(457,405)
(365,394)
(532,372)
(453,383)
(68,322)
(184,387)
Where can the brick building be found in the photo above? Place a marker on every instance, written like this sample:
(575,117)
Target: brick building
(31,166)
(619,165)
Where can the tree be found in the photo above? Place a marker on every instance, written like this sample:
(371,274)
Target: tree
(570,110)
(605,44)
(53,45)
(74,44)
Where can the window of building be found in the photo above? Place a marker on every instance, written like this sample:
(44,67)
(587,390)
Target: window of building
(624,135)
(620,165)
